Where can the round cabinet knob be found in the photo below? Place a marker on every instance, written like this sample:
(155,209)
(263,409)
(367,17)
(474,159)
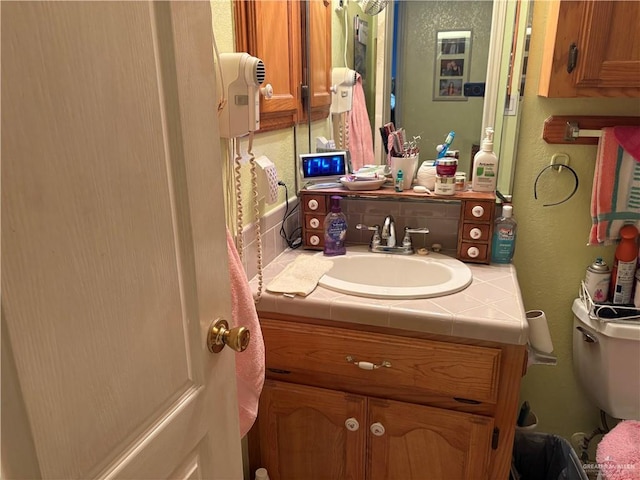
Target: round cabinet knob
(313,204)
(220,335)
(314,223)
(477,211)
(475,233)
(377,429)
(267,91)
(473,252)
(351,424)
(314,240)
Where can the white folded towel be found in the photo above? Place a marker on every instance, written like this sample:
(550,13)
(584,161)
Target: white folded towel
(301,276)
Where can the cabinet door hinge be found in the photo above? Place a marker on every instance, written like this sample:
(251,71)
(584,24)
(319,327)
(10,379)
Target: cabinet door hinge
(494,438)
(572,61)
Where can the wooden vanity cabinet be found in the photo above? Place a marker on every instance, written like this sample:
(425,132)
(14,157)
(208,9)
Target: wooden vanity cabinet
(415,408)
(603,38)
(275,32)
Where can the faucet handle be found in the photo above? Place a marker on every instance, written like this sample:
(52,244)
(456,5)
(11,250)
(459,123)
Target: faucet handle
(362,226)
(406,241)
(375,240)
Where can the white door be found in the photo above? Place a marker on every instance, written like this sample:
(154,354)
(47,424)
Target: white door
(113,245)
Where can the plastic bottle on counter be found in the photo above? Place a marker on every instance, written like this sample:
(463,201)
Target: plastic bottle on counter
(335,229)
(399,181)
(485,166)
(624,266)
(503,244)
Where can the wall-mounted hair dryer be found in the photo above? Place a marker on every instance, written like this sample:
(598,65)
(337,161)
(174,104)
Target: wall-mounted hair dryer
(242,76)
(342,82)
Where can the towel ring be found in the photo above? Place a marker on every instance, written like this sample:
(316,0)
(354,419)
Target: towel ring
(559,167)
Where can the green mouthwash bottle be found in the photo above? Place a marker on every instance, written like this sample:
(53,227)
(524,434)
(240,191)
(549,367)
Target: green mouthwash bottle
(504,237)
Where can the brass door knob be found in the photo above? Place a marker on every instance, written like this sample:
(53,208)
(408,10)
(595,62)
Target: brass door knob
(220,335)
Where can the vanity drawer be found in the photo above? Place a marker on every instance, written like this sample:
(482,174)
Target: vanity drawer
(475,232)
(478,211)
(419,369)
(316,203)
(313,240)
(474,252)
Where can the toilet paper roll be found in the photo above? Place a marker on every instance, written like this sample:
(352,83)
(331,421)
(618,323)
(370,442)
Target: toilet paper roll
(539,336)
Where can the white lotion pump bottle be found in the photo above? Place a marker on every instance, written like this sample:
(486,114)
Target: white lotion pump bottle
(485,166)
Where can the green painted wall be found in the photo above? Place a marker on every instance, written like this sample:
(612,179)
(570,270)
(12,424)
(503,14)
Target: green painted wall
(551,247)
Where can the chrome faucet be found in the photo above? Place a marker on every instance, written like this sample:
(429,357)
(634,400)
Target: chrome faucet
(389,231)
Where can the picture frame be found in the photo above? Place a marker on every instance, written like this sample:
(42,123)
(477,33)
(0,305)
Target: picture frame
(453,51)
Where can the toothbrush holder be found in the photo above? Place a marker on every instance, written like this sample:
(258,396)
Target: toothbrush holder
(408,165)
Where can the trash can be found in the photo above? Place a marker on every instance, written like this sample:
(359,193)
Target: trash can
(544,456)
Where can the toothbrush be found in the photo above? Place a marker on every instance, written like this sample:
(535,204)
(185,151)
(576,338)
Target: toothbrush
(445,145)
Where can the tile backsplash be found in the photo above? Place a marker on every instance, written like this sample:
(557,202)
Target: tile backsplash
(272,243)
(440,217)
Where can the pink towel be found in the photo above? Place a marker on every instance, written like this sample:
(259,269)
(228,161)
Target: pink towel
(615,197)
(360,138)
(250,363)
(618,453)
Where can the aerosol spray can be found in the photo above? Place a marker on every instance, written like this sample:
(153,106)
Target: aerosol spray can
(597,280)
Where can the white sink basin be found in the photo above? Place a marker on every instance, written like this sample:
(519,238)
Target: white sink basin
(378,275)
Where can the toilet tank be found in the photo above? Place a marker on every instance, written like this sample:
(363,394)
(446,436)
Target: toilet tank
(606,362)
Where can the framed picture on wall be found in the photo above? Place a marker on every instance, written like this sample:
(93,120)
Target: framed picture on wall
(453,50)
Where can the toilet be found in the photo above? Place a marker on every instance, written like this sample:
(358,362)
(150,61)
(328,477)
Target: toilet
(606,362)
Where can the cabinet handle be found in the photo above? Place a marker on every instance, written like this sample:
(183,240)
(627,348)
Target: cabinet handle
(314,223)
(475,233)
(368,365)
(572,60)
(352,424)
(477,211)
(473,252)
(377,429)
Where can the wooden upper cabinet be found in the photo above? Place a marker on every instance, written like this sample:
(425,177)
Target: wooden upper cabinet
(320,52)
(604,39)
(274,31)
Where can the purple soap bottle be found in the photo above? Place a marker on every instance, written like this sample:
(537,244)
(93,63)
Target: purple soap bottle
(335,229)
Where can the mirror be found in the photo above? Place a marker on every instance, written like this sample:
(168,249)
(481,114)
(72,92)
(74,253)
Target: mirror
(422,31)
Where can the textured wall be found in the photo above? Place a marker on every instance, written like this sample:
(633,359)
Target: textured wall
(551,248)
(433,120)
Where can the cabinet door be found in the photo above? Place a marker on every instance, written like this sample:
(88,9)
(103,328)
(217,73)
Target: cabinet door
(303,434)
(271,32)
(607,55)
(320,57)
(421,442)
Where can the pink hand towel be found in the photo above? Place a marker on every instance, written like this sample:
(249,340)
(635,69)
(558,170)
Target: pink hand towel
(360,137)
(250,367)
(615,197)
(618,453)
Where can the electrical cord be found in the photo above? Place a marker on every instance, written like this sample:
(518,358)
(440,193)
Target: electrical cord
(256,210)
(295,239)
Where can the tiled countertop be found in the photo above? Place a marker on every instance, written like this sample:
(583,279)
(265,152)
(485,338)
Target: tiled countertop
(489,309)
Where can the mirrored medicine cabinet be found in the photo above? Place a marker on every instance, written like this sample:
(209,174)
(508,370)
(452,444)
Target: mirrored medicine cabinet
(409,42)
